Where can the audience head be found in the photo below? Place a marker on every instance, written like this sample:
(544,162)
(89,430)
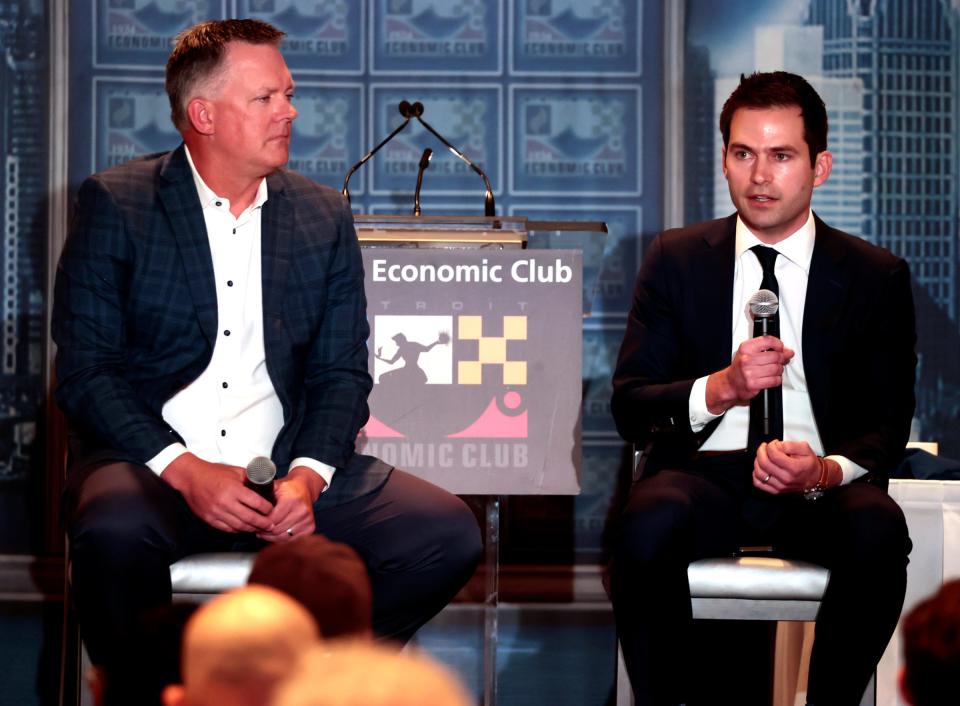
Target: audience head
(363,673)
(780,89)
(239,646)
(328,578)
(931,647)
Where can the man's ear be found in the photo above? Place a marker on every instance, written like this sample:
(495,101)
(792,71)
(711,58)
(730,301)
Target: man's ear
(200,115)
(174,695)
(723,160)
(822,167)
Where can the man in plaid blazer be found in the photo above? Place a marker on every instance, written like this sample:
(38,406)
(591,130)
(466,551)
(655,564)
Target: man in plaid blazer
(209,308)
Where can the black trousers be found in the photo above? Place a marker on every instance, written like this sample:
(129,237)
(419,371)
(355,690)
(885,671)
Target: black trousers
(710,509)
(126,526)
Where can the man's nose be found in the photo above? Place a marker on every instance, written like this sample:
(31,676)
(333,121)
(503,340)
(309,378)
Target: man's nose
(761,171)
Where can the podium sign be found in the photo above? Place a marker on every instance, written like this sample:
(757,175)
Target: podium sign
(475,356)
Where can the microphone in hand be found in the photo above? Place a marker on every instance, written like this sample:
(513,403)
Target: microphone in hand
(764,306)
(260,474)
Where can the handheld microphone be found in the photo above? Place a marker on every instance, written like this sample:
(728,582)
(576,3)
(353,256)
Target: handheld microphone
(424,163)
(763,306)
(260,474)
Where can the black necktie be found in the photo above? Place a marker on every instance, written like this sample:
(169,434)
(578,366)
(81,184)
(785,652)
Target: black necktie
(767,257)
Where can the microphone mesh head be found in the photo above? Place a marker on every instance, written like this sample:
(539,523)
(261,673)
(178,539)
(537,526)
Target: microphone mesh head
(261,470)
(763,304)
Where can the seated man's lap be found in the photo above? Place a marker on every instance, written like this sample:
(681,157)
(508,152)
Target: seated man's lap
(857,524)
(682,515)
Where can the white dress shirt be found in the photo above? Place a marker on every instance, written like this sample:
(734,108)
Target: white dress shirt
(231,412)
(792,268)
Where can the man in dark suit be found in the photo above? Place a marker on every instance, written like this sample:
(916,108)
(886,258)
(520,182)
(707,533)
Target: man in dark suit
(209,308)
(838,376)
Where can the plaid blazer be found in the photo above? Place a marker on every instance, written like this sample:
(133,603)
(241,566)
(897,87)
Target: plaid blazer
(135,315)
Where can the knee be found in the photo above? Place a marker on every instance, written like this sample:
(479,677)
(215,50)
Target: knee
(459,536)
(651,529)
(117,527)
(876,535)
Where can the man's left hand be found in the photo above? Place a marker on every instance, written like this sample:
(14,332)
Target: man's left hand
(787,467)
(292,516)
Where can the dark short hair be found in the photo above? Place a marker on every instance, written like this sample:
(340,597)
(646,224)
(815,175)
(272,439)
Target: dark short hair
(198,53)
(780,89)
(931,646)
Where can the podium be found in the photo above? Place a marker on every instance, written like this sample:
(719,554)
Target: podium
(475,352)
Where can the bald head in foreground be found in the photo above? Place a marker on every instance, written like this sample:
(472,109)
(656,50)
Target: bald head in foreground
(362,673)
(239,646)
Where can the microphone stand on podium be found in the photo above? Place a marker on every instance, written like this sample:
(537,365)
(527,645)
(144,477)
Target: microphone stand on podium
(424,241)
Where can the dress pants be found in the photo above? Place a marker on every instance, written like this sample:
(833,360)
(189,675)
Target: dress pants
(710,509)
(126,526)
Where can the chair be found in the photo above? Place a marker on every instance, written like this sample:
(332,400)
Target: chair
(747,588)
(195,578)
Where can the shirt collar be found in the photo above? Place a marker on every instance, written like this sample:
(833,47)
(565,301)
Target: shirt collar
(796,247)
(209,198)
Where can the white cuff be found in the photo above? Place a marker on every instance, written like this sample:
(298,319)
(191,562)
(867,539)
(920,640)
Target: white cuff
(851,471)
(323,470)
(158,464)
(700,416)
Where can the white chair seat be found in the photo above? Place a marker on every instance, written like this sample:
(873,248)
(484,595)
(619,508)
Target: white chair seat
(756,588)
(210,573)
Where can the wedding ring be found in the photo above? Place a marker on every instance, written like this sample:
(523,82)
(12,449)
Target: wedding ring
(290,529)
(762,480)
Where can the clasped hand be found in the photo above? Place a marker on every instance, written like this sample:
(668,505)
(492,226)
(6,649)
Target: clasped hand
(216,493)
(785,467)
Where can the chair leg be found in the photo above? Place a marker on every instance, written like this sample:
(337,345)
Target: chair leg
(70,647)
(870,695)
(624,690)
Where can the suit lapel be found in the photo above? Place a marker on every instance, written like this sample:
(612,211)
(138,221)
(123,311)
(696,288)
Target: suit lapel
(178,194)
(713,286)
(827,289)
(276,231)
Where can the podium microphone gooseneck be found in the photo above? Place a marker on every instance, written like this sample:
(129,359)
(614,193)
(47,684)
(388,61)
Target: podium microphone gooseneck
(489,208)
(407,111)
(424,163)
(260,474)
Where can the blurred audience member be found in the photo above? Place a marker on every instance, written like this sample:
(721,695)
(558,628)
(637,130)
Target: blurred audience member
(239,646)
(328,578)
(363,673)
(931,647)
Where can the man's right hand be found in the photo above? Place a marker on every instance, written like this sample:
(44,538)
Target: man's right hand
(216,494)
(757,365)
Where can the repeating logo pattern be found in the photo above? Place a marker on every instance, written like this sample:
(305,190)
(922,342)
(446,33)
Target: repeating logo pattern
(575,141)
(131,118)
(323,36)
(576,36)
(139,33)
(437,36)
(467,117)
(327,134)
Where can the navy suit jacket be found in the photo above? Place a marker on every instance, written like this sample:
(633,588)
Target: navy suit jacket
(135,315)
(858,342)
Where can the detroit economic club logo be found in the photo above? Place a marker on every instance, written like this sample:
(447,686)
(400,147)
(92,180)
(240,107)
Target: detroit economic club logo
(444,383)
